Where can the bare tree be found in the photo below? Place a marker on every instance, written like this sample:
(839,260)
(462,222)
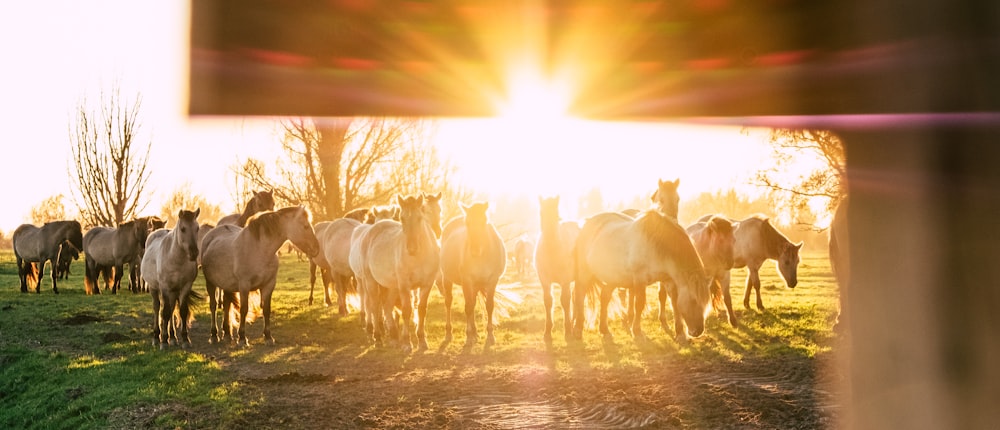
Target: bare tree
(183,198)
(335,165)
(109,165)
(50,209)
(791,187)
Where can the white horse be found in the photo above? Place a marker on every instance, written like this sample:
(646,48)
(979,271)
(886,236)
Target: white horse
(554,261)
(169,267)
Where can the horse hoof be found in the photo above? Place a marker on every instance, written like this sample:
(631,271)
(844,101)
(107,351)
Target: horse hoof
(269,341)
(548,337)
(163,346)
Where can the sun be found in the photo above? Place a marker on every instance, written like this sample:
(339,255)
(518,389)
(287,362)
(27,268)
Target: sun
(533,98)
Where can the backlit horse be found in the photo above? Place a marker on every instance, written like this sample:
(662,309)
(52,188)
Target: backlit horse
(67,254)
(714,241)
(169,266)
(356,259)
(523,255)
(616,251)
(240,260)
(400,258)
(665,198)
(473,256)
(334,258)
(840,261)
(756,242)
(108,249)
(33,244)
(554,261)
(260,202)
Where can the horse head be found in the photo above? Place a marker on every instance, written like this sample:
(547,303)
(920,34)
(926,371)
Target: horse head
(297,225)
(74,234)
(665,198)
(432,211)
(411,216)
(186,232)
(263,201)
(788,263)
(694,301)
(475,227)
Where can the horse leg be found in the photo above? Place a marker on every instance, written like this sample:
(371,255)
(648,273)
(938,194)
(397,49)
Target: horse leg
(166,313)
(662,293)
(727,298)
(341,284)
(607,291)
(183,339)
(425,292)
(156,316)
(565,298)
(53,274)
(327,279)
(227,319)
(406,309)
(626,298)
(490,293)
(640,304)
(680,328)
(579,310)
(446,290)
(749,287)
(547,301)
(471,337)
(213,304)
(265,307)
(312,280)
(22,273)
(756,288)
(244,308)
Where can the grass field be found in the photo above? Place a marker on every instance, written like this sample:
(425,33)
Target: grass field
(73,361)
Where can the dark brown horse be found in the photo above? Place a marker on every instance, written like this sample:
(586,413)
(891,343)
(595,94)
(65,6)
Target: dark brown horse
(260,202)
(33,244)
(108,249)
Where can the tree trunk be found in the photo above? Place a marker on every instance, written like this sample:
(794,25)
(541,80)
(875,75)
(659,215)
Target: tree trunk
(333,134)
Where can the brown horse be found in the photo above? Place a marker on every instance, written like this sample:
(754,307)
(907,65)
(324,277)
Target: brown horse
(108,249)
(616,251)
(33,244)
(260,202)
(554,261)
(840,260)
(240,260)
(473,256)
(135,282)
(757,241)
(714,240)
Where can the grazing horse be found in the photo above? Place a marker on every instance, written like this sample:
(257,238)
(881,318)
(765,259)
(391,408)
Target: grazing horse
(665,198)
(33,244)
(400,258)
(169,267)
(239,260)
(473,256)
(757,241)
(616,251)
(260,202)
(109,249)
(554,261)
(840,260)
(714,241)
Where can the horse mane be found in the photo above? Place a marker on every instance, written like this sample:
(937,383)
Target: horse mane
(667,238)
(268,223)
(720,224)
(774,240)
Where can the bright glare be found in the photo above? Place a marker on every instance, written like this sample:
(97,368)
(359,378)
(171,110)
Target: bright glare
(533,98)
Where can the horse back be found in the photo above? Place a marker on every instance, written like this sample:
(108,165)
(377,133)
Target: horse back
(27,243)
(99,244)
(554,254)
(382,247)
(335,244)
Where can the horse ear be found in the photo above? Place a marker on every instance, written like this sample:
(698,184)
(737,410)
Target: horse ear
(677,182)
(465,209)
(652,197)
(197,211)
(399,200)
(798,246)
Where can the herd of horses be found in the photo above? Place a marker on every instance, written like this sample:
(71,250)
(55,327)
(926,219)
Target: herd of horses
(392,256)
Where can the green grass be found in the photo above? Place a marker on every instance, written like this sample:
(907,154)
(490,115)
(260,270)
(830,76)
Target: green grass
(105,370)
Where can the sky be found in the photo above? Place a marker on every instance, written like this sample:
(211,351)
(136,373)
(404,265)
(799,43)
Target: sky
(58,52)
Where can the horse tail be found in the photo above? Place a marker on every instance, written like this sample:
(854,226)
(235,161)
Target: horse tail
(89,277)
(253,311)
(31,272)
(717,302)
(505,300)
(191,301)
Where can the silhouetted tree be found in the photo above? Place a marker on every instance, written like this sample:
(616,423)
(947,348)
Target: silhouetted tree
(109,164)
(792,187)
